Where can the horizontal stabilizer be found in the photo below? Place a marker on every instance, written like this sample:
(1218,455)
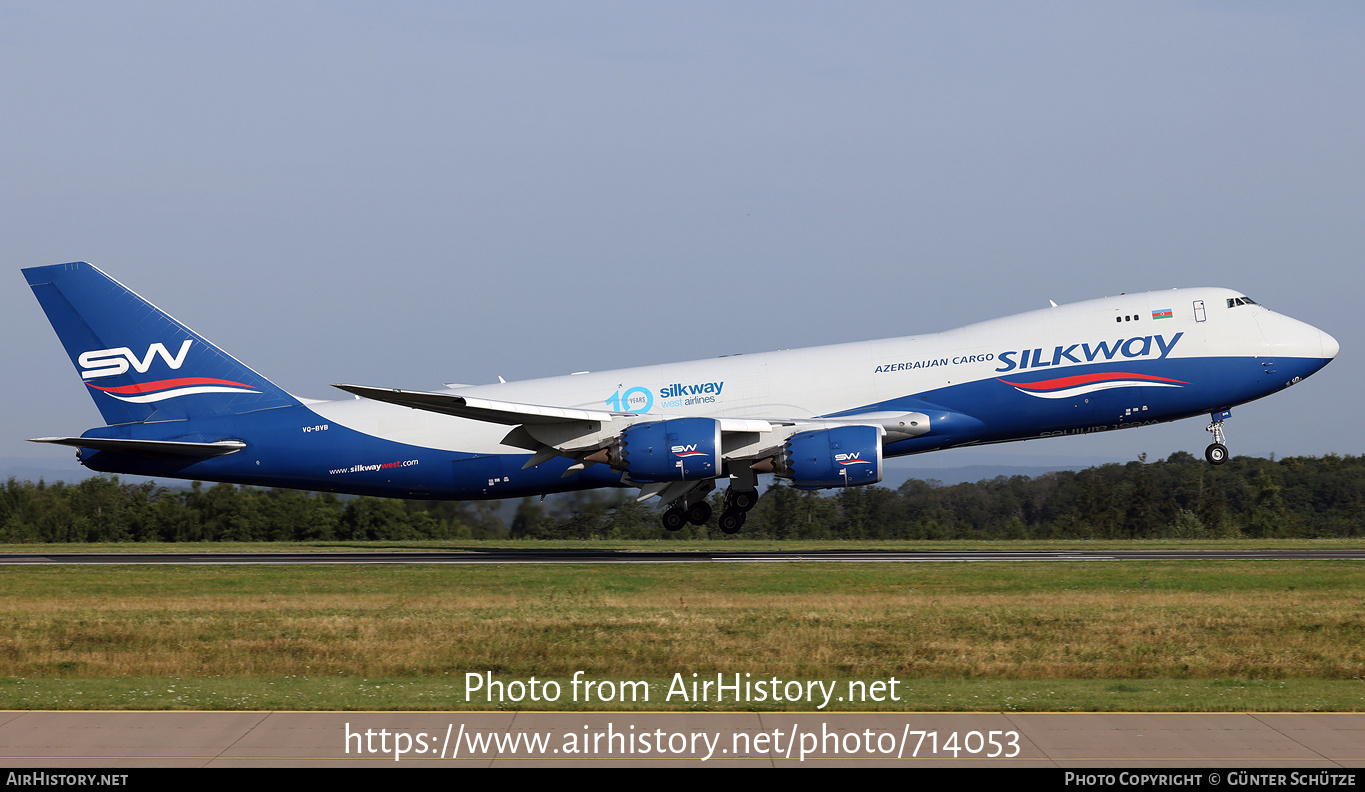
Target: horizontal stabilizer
(160,448)
(510,413)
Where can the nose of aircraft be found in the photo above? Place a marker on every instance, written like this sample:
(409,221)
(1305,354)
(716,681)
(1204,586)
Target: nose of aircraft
(1330,347)
(1289,338)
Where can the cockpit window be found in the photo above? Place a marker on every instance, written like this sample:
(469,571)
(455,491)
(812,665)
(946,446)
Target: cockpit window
(1233,302)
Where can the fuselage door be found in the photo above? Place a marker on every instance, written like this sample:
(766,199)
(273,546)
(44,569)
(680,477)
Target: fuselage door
(1199,314)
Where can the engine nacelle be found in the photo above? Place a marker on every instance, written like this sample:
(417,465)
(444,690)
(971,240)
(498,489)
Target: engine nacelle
(845,456)
(679,449)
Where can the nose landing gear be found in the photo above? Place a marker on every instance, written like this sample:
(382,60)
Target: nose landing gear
(1217,452)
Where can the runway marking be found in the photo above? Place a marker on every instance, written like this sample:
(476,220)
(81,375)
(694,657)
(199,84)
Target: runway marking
(667,557)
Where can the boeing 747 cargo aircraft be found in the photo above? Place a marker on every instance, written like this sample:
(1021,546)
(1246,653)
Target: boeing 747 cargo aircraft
(176,406)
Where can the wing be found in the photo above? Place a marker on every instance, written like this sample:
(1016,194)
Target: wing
(667,455)
(511,413)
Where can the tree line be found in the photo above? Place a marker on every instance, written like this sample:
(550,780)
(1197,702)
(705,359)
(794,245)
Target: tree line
(1179,497)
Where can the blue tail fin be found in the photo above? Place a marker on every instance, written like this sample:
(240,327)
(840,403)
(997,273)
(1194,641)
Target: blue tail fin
(138,363)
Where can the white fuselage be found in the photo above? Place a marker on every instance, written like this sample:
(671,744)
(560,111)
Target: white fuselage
(820,381)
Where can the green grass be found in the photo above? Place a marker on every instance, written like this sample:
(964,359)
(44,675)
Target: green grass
(445,693)
(1080,636)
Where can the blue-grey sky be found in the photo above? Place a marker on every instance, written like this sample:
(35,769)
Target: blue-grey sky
(412,193)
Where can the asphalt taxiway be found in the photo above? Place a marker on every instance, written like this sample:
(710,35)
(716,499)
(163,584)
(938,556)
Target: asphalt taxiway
(502,556)
(1312,743)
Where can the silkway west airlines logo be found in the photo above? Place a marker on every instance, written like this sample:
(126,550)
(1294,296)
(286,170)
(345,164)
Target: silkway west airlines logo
(100,363)
(1131,348)
(1141,347)
(1067,387)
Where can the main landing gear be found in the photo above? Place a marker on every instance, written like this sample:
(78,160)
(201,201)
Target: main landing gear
(737,506)
(740,497)
(698,513)
(731,520)
(1217,452)
(691,509)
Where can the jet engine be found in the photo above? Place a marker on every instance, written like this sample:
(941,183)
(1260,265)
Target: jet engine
(679,449)
(844,456)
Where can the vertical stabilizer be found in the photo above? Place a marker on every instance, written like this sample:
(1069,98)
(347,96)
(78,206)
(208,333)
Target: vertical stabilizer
(137,362)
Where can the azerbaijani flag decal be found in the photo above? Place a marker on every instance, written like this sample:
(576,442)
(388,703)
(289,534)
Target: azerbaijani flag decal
(161,390)
(1067,387)
(1164,313)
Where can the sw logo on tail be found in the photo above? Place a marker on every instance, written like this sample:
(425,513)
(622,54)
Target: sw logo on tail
(112,362)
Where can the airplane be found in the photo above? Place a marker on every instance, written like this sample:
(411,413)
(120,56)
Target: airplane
(176,406)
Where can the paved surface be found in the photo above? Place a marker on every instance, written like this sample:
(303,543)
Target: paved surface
(631,557)
(1050,740)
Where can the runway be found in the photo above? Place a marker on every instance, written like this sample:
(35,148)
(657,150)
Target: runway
(502,556)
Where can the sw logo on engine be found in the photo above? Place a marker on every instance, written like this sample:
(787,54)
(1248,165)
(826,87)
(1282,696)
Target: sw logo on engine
(99,363)
(687,450)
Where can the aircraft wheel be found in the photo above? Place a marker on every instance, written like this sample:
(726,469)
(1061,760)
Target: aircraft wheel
(744,500)
(699,512)
(1216,454)
(731,521)
(675,519)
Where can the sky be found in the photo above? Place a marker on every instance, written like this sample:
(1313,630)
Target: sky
(414,193)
